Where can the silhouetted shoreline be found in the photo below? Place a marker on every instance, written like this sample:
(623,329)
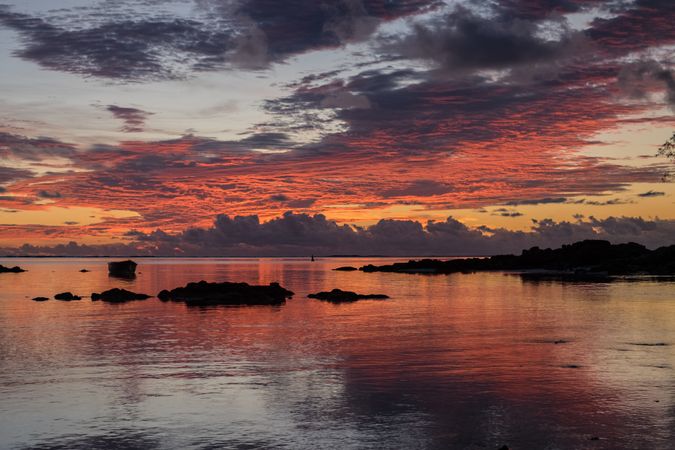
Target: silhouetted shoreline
(589,259)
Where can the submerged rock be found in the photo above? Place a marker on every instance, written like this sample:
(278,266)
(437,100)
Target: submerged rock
(204,294)
(118,295)
(40,299)
(346,269)
(339,296)
(67,296)
(649,344)
(124,269)
(85,270)
(15,269)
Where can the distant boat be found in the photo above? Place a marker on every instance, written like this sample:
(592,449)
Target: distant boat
(312,258)
(122,268)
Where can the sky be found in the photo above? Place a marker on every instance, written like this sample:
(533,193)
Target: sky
(266,127)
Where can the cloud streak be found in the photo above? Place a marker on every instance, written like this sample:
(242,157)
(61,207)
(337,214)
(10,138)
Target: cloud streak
(133,118)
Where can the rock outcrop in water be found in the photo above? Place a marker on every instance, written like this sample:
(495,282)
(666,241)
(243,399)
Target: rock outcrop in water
(346,269)
(15,269)
(590,259)
(116,295)
(67,296)
(340,296)
(40,299)
(206,294)
(124,269)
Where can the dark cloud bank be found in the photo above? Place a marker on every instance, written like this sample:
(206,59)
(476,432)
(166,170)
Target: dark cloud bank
(255,33)
(240,33)
(302,234)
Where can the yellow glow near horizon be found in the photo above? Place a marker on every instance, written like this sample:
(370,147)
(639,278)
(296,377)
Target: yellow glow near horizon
(62,216)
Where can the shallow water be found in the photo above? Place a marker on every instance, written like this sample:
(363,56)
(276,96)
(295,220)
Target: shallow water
(460,361)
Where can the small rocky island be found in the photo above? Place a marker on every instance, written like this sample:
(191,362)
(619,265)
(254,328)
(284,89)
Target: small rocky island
(207,294)
(589,259)
(67,297)
(15,269)
(340,296)
(117,295)
(346,269)
(122,269)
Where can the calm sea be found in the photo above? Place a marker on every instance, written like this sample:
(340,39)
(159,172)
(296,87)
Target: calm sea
(451,362)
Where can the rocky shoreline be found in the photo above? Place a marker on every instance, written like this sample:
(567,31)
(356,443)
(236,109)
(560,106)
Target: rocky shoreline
(584,260)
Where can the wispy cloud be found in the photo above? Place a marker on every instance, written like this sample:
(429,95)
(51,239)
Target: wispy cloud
(133,118)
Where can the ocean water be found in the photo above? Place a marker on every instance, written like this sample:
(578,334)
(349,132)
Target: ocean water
(449,362)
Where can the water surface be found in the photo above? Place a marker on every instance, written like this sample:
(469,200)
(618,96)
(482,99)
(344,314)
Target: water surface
(459,361)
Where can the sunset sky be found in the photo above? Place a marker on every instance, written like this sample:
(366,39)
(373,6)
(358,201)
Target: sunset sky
(275,127)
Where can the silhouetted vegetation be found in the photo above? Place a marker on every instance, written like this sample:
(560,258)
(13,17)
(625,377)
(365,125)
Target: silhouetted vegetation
(668,150)
(584,259)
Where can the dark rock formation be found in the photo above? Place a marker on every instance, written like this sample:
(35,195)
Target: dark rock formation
(85,270)
(592,260)
(340,296)
(118,296)
(67,296)
(205,294)
(40,299)
(124,269)
(15,269)
(346,269)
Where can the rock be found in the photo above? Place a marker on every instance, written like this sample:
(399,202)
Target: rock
(85,270)
(125,269)
(504,447)
(40,299)
(15,269)
(67,296)
(339,296)
(571,366)
(118,296)
(649,344)
(205,294)
(346,269)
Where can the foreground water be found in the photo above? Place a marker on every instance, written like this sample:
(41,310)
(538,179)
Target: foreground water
(460,361)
